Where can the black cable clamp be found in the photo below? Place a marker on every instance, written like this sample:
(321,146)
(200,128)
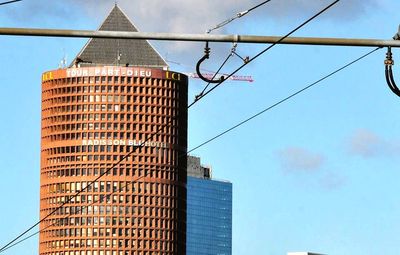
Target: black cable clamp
(207,51)
(389,72)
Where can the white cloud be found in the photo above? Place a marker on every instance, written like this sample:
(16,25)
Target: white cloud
(368,144)
(307,169)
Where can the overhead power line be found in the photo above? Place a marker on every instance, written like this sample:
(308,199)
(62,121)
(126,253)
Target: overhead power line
(237,16)
(10,2)
(268,48)
(227,130)
(151,136)
(283,100)
(88,185)
(5,247)
(101,199)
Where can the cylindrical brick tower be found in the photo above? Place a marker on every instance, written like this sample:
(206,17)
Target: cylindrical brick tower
(91,118)
(117,99)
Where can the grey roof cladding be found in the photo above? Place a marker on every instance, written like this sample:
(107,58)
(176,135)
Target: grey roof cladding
(104,52)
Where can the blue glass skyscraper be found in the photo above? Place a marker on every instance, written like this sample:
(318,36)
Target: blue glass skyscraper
(209,212)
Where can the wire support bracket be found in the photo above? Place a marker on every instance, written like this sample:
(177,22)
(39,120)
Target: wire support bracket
(222,78)
(233,52)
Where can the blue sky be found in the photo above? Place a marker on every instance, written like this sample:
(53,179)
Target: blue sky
(317,173)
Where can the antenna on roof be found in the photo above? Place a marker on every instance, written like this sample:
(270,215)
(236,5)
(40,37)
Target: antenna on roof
(63,62)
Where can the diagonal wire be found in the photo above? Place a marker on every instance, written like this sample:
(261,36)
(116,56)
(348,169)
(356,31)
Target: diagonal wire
(157,131)
(226,131)
(89,184)
(258,5)
(238,15)
(77,193)
(100,200)
(271,46)
(10,2)
(284,100)
(96,179)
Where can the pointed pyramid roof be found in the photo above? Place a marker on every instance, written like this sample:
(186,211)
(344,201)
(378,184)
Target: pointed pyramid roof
(105,52)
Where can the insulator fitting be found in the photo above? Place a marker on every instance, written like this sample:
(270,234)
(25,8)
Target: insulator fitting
(389,62)
(207,50)
(389,57)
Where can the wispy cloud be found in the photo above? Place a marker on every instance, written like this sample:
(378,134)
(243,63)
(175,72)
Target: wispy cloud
(299,159)
(368,144)
(308,169)
(342,11)
(198,16)
(187,15)
(27,11)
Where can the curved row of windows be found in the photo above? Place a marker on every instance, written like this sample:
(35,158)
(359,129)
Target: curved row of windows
(149,151)
(103,83)
(61,160)
(150,87)
(109,117)
(158,174)
(130,232)
(130,99)
(110,186)
(97,243)
(106,121)
(107,252)
(156,208)
(138,245)
(128,108)
(163,221)
(77,170)
(104,126)
(111,152)
(62,136)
